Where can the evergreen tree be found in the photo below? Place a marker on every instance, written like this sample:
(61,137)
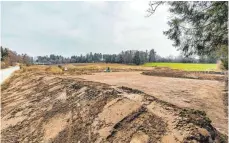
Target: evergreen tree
(197,27)
(136,59)
(152,56)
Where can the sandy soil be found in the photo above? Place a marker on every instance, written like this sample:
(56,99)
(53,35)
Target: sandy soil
(198,94)
(55,108)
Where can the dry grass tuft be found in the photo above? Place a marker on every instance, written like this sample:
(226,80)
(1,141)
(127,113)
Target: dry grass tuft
(33,68)
(219,65)
(54,70)
(78,69)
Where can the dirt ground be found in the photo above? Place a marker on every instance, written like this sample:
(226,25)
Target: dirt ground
(100,108)
(198,94)
(167,72)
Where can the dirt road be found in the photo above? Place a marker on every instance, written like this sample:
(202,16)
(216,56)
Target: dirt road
(198,94)
(5,73)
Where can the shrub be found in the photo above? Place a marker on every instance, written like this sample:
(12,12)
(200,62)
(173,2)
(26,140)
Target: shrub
(59,66)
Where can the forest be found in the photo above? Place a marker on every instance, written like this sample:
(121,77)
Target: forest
(124,57)
(10,58)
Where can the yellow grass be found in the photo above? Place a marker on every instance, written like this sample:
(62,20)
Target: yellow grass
(83,68)
(54,70)
(103,66)
(100,67)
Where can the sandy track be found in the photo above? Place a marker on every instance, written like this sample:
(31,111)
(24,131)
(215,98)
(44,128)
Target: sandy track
(5,73)
(198,94)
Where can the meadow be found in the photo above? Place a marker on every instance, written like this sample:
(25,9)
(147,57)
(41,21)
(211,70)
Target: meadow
(185,66)
(99,67)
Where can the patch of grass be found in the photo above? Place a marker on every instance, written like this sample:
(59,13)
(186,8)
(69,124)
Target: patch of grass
(54,70)
(33,68)
(185,66)
(113,67)
(85,68)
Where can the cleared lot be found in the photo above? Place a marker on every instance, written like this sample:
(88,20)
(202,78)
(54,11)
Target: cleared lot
(198,94)
(48,104)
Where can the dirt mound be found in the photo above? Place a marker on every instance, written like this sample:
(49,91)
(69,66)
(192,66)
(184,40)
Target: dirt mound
(167,72)
(182,92)
(44,108)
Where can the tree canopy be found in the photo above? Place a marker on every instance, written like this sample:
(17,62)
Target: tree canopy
(197,27)
(10,58)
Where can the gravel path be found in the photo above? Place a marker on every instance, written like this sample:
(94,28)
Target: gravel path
(5,73)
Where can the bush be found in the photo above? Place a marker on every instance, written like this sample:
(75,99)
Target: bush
(59,66)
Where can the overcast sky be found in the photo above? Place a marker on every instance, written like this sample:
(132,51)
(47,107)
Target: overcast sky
(74,28)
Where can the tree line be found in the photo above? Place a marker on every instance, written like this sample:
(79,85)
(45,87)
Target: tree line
(11,58)
(125,57)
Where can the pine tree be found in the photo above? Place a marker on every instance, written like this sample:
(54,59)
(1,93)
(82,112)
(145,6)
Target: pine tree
(197,27)
(136,58)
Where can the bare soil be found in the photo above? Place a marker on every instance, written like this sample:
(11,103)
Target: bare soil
(204,95)
(56,108)
(167,72)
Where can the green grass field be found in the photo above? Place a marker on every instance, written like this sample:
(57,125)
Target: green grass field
(185,66)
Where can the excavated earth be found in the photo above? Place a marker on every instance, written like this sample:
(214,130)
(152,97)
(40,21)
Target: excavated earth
(49,108)
(175,73)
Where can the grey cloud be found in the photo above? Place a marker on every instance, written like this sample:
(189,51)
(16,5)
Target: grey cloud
(68,28)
